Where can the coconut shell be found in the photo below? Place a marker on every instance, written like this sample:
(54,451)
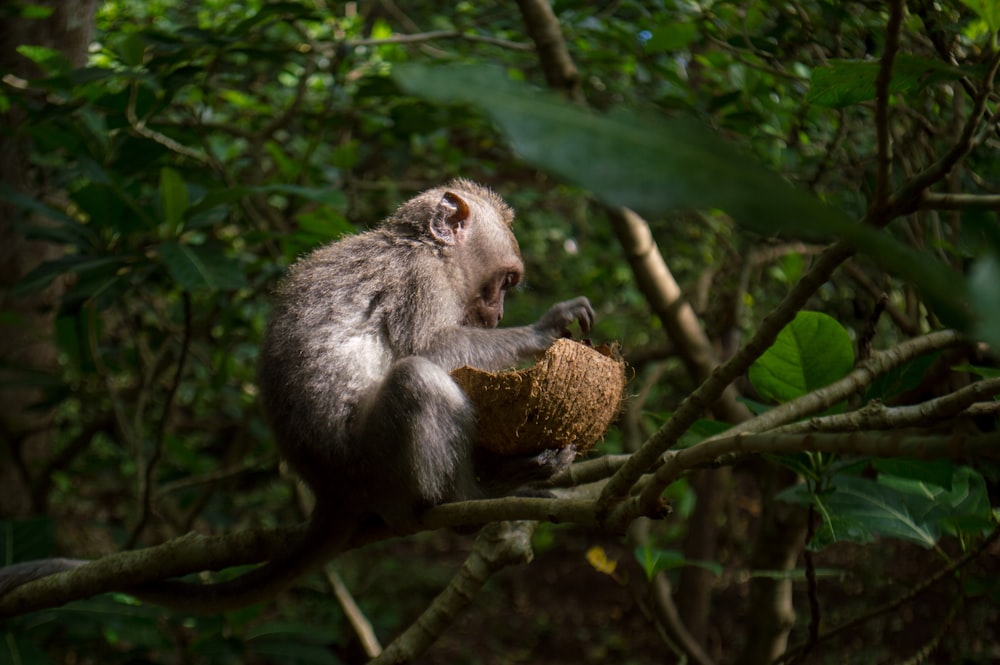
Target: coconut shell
(568,398)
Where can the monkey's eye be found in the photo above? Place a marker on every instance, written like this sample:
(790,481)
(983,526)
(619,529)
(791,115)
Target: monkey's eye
(511,280)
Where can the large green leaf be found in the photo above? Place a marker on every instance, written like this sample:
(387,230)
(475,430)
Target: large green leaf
(858,509)
(196,267)
(655,165)
(810,352)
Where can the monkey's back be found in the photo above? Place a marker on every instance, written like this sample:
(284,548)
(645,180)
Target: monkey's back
(341,317)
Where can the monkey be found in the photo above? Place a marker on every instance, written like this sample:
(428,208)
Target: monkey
(354,381)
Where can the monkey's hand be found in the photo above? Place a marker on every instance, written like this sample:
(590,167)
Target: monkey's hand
(557,320)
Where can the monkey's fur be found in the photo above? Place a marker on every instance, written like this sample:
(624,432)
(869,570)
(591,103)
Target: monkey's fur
(354,379)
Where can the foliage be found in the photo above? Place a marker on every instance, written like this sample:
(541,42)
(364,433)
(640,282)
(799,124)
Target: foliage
(206,145)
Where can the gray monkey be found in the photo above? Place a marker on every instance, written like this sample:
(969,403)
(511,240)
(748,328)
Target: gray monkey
(354,381)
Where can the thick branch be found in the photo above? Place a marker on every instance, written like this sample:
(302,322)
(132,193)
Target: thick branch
(876,415)
(697,402)
(860,377)
(543,28)
(663,294)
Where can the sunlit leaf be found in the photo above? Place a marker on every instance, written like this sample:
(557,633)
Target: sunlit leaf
(598,559)
(988,10)
(811,352)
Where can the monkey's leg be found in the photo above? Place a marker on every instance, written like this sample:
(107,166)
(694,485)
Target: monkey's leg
(417,428)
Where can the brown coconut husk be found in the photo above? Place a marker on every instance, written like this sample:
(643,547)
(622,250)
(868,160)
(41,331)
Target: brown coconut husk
(568,398)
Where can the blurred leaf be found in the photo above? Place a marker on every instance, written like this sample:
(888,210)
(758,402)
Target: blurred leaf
(655,165)
(982,372)
(599,561)
(42,276)
(31,10)
(49,59)
(54,225)
(327,195)
(130,49)
(672,36)
(811,352)
(846,82)
(196,267)
(984,292)
(988,10)
(173,198)
(654,560)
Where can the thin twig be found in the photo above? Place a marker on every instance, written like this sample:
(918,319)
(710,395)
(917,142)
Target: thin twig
(422,37)
(882,81)
(934,201)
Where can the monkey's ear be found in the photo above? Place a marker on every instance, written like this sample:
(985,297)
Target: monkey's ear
(450,219)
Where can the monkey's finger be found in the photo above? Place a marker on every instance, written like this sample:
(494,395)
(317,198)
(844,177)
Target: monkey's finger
(586,315)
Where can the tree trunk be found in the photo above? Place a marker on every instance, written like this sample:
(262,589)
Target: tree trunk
(26,346)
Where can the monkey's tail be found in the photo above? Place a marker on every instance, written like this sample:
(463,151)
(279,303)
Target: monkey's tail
(16,574)
(317,547)
(319,544)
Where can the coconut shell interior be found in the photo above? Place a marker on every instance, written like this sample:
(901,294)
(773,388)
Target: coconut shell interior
(568,398)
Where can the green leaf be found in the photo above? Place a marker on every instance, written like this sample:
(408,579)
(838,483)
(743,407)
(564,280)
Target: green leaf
(810,352)
(35,11)
(131,49)
(672,36)
(196,267)
(859,508)
(934,472)
(331,197)
(988,10)
(49,59)
(655,165)
(846,82)
(42,276)
(173,197)
(654,560)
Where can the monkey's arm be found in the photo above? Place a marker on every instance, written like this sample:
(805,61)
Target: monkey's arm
(500,348)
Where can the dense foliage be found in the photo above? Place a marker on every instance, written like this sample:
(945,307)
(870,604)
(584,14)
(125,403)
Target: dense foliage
(820,177)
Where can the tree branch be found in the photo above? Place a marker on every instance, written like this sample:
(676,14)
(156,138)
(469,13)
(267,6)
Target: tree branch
(883,135)
(873,444)
(439,34)
(934,201)
(497,546)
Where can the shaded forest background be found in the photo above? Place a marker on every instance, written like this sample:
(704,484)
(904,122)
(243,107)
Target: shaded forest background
(785,213)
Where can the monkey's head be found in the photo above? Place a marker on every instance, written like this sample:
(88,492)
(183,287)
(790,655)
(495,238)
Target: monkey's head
(471,226)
